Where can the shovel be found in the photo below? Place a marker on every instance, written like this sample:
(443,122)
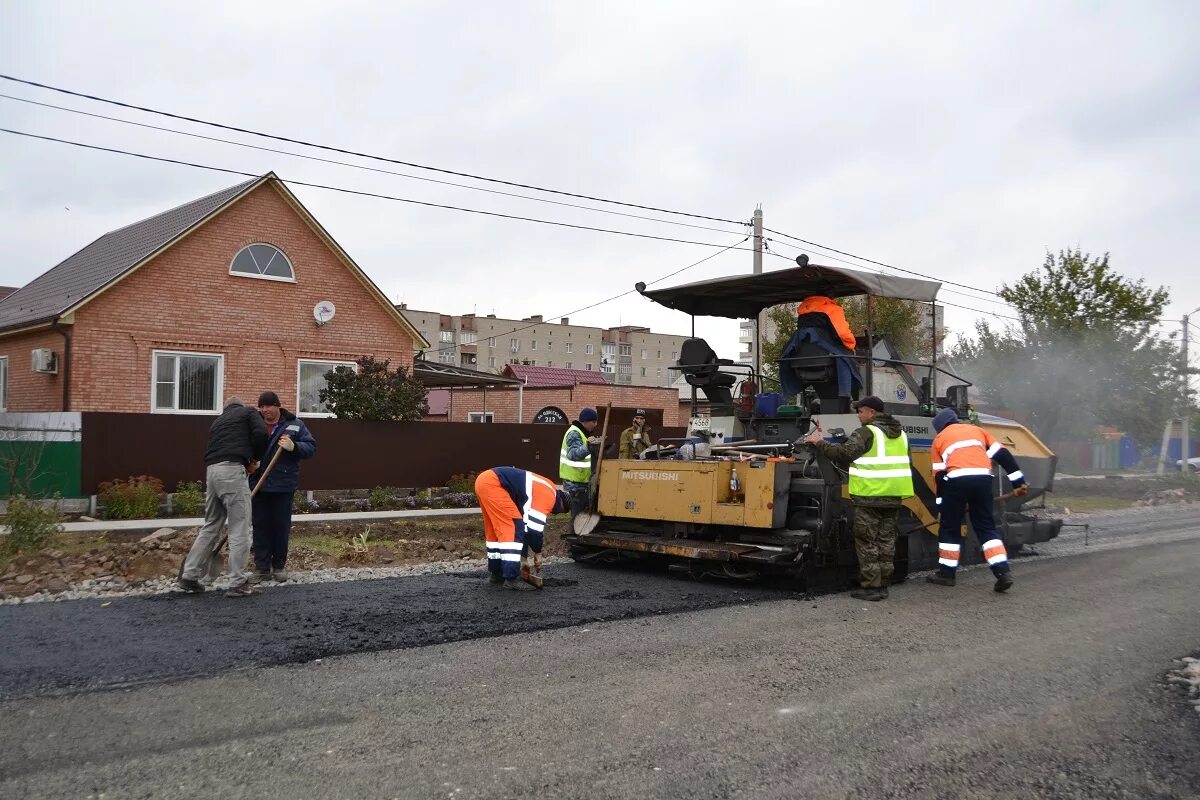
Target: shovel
(214,557)
(532,576)
(586,521)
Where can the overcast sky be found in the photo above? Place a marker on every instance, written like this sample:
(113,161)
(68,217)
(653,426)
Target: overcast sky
(959,140)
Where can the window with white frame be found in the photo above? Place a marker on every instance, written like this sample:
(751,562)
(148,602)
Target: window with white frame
(549,347)
(446,357)
(643,372)
(658,354)
(187,383)
(447,336)
(588,367)
(674,355)
(533,345)
(570,365)
(310,380)
(262,261)
(609,349)
(643,353)
(3,383)
(480,416)
(587,349)
(467,337)
(514,345)
(626,349)
(491,361)
(567,347)
(549,363)
(491,341)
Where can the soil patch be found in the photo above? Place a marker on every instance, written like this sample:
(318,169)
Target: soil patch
(121,559)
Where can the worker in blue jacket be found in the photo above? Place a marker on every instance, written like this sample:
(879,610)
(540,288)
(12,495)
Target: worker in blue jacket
(271,509)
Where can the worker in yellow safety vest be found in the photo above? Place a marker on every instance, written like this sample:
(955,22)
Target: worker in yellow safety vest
(575,461)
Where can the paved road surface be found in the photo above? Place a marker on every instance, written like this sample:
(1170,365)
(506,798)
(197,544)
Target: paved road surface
(1052,691)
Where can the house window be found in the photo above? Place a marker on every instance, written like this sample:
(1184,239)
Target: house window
(491,341)
(262,261)
(481,416)
(549,363)
(514,345)
(587,349)
(310,378)
(467,337)
(567,347)
(643,372)
(674,355)
(4,383)
(491,361)
(549,347)
(606,366)
(446,357)
(533,345)
(658,354)
(588,366)
(570,365)
(643,353)
(626,349)
(609,349)
(447,336)
(187,383)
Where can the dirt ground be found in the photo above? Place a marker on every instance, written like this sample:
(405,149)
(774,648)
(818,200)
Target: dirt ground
(135,557)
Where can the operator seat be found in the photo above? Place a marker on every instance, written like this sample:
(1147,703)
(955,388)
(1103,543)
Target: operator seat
(701,368)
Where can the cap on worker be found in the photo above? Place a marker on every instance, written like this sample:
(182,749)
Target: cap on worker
(870,401)
(641,412)
(588,415)
(947,416)
(562,502)
(233,400)
(268,399)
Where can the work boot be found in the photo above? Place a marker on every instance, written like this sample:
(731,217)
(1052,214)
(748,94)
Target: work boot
(1004,582)
(494,578)
(518,585)
(883,592)
(941,580)
(191,585)
(280,575)
(260,576)
(872,595)
(242,590)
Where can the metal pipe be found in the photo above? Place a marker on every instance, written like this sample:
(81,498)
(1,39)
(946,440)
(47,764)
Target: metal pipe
(66,365)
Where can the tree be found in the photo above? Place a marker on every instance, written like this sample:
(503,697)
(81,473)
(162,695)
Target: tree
(784,319)
(374,392)
(1082,354)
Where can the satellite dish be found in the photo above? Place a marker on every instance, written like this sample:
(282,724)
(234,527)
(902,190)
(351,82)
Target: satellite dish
(324,311)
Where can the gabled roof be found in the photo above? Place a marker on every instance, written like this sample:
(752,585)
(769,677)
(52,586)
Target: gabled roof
(119,253)
(553,376)
(436,375)
(107,259)
(5,291)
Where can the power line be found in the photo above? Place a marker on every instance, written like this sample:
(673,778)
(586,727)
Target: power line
(363,167)
(362,193)
(344,151)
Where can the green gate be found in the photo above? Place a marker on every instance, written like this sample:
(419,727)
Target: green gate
(41,454)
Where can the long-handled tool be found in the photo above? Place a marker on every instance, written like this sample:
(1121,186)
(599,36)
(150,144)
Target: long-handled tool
(586,521)
(532,574)
(214,560)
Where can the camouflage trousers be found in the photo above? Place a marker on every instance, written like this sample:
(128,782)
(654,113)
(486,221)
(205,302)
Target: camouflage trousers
(875,544)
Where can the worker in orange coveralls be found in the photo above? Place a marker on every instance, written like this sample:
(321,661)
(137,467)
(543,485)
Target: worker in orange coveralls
(515,505)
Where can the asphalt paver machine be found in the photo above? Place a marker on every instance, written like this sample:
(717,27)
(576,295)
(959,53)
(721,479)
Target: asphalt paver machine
(741,496)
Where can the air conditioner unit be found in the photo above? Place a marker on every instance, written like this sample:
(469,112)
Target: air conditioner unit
(44,360)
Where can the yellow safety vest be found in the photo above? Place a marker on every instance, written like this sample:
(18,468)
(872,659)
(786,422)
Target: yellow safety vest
(885,469)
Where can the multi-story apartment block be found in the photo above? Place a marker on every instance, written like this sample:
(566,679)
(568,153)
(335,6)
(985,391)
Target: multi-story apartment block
(627,354)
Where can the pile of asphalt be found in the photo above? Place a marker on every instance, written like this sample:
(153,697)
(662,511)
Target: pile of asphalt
(101,643)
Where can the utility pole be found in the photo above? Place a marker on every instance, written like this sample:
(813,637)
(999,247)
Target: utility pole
(758,261)
(1184,448)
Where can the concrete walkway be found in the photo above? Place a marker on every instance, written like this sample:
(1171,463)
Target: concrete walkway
(297,519)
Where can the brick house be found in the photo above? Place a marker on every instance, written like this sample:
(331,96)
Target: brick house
(234,293)
(564,390)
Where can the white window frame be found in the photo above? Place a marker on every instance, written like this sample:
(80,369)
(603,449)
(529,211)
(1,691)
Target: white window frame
(491,361)
(514,345)
(299,362)
(567,348)
(446,336)
(533,344)
(588,367)
(491,341)
(587,350)
(643,354)
(220,389)
(467,337)
(3,383)
(481,416)
(570,365)
(291,266)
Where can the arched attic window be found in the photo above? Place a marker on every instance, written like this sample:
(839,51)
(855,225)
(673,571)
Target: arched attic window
(262,261)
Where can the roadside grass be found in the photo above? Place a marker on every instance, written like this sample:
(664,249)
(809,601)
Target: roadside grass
(1090,503)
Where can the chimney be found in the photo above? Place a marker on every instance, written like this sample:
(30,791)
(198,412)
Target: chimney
(565,321)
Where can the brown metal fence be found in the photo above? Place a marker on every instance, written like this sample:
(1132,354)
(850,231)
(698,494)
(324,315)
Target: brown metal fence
(350,454)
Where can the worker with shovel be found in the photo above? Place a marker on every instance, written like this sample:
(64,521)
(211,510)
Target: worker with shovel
(515,504)
(236,440)
(271,507)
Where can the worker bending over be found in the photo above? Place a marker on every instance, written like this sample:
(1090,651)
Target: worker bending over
(515,504)
(962,458)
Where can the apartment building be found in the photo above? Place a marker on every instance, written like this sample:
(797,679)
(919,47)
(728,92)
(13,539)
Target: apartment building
(627,355)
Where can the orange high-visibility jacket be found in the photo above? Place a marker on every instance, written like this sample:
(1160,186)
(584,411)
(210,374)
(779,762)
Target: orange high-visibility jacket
(962,449)
(820,304)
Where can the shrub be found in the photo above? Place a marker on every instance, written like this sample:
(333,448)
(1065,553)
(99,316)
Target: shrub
(188,498)
(134,498)
(461,500)
(382,497)
(364,505)
(329,505)
(31,524)
(462,483)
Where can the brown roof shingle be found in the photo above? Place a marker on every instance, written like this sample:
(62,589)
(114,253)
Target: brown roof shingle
(106,259)
(553,376)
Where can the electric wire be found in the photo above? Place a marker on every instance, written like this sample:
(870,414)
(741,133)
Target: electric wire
(357,154)
(362,193)
(363,167)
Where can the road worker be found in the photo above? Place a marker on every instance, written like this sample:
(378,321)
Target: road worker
(575,461)
(636,438)
(515,504)
(880,478)
(820,304)
(962,457)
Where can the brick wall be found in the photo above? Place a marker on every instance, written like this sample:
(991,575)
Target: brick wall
(503,403)
(29,390)
(186,300)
